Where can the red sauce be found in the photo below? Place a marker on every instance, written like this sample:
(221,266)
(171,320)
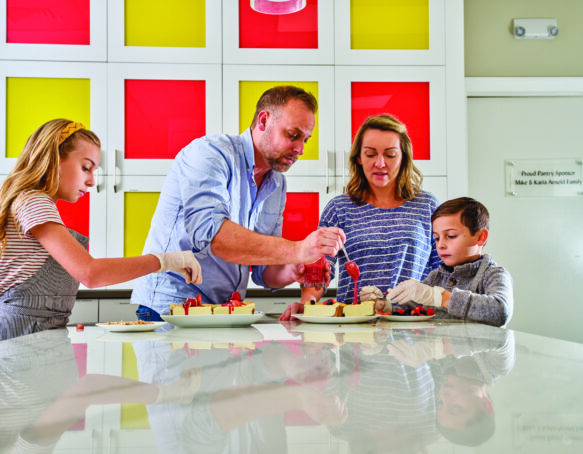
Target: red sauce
(354,273)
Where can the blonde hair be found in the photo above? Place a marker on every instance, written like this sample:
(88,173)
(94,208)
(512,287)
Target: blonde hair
(409,178)
(37,167)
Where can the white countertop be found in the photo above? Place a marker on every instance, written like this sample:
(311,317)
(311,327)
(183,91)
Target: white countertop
(299,388)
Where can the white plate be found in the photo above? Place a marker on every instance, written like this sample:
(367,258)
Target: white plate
(129,328)
(216,321)
(334,320)
(406,318)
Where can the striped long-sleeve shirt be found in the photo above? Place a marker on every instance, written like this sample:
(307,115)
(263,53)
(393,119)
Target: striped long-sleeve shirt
(23,255)
(389,245)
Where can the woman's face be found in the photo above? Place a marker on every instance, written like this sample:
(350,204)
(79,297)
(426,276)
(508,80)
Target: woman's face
(380,157)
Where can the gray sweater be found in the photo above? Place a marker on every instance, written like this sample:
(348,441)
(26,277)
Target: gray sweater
(481,291)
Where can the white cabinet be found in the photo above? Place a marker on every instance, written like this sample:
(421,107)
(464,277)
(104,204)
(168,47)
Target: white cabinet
(244,84)
(318,51)
(233,58)
(348,51)
(158,33)
(88,26)
(149,113)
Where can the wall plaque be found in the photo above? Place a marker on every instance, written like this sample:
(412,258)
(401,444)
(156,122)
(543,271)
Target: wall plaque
(544,177)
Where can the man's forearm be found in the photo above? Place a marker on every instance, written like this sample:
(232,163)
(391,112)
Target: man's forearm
(236,244)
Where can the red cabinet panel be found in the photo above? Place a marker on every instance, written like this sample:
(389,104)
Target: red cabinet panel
(47,22)
(407,101)
(301,215)
(162,116)
(297,30)
(76,215)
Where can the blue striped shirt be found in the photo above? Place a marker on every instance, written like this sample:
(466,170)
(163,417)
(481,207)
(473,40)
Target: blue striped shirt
(389,245)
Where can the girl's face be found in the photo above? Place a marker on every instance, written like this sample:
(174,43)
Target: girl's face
(77,171)
(380,157)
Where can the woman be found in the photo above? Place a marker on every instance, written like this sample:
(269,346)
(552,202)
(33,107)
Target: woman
(385,214)
(41,263)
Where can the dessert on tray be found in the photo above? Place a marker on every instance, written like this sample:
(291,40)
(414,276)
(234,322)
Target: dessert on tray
(194,306)
(329,308)
(332,308)
(361,309)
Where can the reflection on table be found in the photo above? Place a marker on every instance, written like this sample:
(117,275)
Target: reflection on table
(271,388)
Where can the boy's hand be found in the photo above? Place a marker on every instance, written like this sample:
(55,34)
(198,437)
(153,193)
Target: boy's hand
(413,290)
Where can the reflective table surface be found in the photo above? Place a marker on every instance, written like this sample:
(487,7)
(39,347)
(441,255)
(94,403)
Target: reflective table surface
(380,387)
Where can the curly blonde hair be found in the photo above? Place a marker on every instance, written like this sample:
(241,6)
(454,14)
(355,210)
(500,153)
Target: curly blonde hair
(409,179)
(37,167)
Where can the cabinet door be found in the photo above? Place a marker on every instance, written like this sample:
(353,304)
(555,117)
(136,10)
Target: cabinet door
(155,110)
(255,35)
(243,85)
(415,95)
(389,32)
(131,202)
(33,93)
(72,30)
(173,31)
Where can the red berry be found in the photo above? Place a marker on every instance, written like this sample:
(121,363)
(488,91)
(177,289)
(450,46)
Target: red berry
(80,327)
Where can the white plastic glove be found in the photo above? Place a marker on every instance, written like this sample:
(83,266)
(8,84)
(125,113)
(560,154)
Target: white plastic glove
(413,290)
(182,262)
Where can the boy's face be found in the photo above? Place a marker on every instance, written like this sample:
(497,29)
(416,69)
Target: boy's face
(455,244)
(459,400)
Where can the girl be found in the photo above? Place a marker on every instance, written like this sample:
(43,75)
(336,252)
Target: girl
(41,263)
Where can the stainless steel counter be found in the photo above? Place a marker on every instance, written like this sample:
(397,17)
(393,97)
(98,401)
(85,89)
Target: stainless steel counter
(295,388)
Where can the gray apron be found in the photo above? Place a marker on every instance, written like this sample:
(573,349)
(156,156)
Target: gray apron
(44,301)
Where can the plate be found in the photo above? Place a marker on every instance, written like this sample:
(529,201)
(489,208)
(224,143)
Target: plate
(130,328)
(406,318)
(213,321)
(334,320)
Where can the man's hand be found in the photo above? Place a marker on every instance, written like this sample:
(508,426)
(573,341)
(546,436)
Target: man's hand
(324,241)
(413,290)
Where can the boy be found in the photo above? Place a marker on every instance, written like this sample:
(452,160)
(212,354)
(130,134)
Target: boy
(468,285)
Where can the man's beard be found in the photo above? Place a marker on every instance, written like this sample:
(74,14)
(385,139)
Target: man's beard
(277,165)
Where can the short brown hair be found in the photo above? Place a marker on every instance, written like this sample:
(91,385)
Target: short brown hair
(277,97)
(473,214)
(409,179)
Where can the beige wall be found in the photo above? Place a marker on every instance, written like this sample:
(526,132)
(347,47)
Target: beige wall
(491,50)
(538,239)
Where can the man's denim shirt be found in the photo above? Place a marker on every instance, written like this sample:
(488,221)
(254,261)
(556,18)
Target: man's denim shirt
(210,181)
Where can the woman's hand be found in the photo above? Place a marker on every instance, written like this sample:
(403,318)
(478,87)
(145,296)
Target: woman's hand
(290,311)
(182,262)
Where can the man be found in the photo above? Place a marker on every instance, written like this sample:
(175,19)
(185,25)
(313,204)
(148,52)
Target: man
(224,198)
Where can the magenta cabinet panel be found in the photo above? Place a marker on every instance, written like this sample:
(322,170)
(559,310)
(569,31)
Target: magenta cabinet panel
(48,22)
(76,215)
(297,30)
(408,101)
(162,116)
(301,215)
